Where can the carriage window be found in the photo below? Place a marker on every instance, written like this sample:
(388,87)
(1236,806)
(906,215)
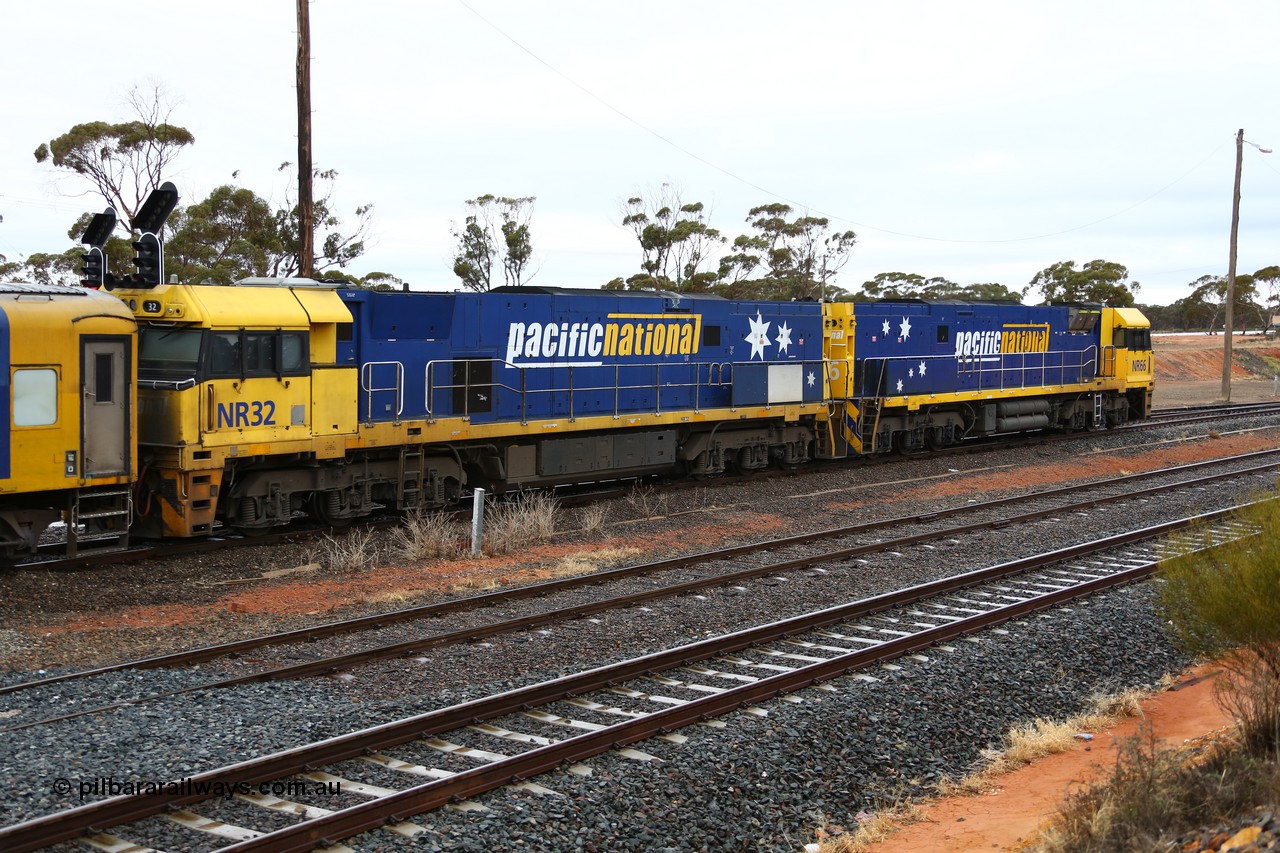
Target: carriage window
(35,397)
(102,384)
(1137,338)
(224,353)
(944,334)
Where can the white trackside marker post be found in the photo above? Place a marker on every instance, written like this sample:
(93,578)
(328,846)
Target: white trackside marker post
(477,521)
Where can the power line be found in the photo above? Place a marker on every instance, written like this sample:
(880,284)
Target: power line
(801,205)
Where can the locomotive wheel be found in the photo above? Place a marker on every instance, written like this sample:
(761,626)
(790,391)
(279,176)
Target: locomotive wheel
(322,507)
(936,439)
(740,463)
(904,442)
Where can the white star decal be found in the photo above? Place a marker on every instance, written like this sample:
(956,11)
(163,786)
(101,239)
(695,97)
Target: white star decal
(922,368)
(904,328)
(885,328)
(911,373)
(784,338)
(812,379)
(899,386)
(759,337)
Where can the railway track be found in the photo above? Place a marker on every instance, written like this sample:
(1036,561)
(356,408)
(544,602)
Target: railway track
(770,558)
(612,707)
(1159,419)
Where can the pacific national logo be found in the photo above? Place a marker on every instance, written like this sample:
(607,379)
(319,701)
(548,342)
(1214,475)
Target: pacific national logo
(621,335)
(1011,338)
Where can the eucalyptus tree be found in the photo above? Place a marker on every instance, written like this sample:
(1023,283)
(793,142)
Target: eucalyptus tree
(675,240)
(1101,281)
(123,161)
(496,231)
(786,258)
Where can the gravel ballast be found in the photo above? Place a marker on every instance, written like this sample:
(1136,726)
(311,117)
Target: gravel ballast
(760,782)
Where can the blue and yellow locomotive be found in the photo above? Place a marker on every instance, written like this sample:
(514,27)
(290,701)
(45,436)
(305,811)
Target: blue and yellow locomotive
(271,397)
(67,356)
(259,401)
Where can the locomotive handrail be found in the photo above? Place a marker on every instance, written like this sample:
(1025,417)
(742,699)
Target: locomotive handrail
(167,384)
(1028,367)
(718,374)
(366,377)
(1109,353)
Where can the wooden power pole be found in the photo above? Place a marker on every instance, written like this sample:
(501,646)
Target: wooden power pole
(306,208)
(1231,275)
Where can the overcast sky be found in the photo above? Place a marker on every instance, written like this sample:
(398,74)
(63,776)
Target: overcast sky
(976,141)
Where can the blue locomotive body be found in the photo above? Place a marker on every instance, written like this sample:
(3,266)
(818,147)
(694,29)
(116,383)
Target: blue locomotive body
(913,349)
(528,354)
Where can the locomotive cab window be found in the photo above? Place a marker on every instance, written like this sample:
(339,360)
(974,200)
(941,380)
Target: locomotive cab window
(247,353)
(35,397)
(167,353)
(1081,321)
(1139,339)
(944,334)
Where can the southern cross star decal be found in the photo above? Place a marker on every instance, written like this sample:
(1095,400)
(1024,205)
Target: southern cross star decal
(811,379)
(784,337)
(904,328)
(759,336)
(922,368)
(885,328)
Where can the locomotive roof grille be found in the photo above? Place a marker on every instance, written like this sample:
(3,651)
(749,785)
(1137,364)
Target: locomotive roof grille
(21,288)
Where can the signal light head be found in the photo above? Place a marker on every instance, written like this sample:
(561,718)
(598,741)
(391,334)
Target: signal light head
(92,270)
(148,260)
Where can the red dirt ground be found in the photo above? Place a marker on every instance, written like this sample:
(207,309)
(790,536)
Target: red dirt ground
(1010,816)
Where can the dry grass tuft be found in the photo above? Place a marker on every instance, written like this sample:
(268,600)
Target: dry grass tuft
(591,561)
(355,550)
(530,519)
(872,829)
(647,502)
(425,536)
(473,583)
(1028,742)
(591,518)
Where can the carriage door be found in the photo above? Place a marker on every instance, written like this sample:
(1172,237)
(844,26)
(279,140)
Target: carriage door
(104,399)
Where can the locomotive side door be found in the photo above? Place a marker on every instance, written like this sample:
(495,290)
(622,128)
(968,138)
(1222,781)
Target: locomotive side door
(104,406)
